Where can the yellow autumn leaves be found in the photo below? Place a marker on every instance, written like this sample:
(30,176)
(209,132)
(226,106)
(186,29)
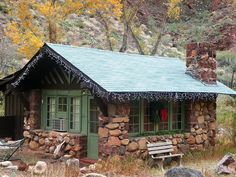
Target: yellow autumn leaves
(174,9)
(105,7)
(26,33)
(25,30)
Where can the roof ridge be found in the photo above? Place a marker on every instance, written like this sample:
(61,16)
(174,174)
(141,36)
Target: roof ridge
(120,53)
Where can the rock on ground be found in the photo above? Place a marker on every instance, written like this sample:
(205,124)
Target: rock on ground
(226,165)
(183,172)
(40,168)
(72,162)
(94,175)
(6,163)
(12,167)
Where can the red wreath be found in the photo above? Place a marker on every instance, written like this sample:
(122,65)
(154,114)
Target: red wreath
(164,115)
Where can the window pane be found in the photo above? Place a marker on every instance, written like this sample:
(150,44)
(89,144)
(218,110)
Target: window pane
(148,124)
(51,113)
(75,113)
(162,111)
(93,116)
(176,116)
(62,104)
(134,117)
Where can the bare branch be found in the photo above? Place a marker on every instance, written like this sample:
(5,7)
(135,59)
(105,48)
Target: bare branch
(162,31)
(107,31)
(138,45)
(127,21)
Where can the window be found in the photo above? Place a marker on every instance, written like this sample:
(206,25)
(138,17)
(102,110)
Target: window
(62,105)
(134,118)
(74,113)
(148,119)
(163,115)
(51,110)
(155,116)
(93,117)
(176,116)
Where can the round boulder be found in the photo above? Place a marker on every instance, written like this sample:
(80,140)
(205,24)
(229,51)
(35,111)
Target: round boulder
(33,145)
(41,141)
(133,146)
(183,172)
(200,119)
(199,139)
(40,168)
(6,163)
(72,162)
(142,143)
(125,142)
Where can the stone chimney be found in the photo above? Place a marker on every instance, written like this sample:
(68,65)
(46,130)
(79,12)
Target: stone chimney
(201,62)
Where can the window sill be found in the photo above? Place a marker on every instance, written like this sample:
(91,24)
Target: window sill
(63,132)
(157,133)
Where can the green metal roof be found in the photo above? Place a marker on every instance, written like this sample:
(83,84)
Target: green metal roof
(121,72)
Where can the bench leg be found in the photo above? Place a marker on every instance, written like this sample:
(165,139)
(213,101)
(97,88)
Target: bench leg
(179,161)
(160,164)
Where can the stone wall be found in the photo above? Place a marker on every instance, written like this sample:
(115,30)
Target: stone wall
(113,130)
(75,145)
(201,120)
(199,134)
(113,136)
(201,62)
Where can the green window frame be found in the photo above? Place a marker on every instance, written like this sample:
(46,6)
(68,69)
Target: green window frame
(50,109)
(134,117)
(75,113)
(174,123)
(64,104)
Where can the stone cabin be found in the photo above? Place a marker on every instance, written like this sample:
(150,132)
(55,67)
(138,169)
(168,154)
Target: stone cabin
(101,103)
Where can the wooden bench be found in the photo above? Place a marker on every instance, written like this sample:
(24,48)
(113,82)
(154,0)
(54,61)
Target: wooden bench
(162,150)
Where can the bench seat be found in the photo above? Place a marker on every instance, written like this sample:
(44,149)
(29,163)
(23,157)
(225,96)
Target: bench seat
(161,150)
(166,156)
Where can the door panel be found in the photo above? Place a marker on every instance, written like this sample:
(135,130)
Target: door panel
(92,130)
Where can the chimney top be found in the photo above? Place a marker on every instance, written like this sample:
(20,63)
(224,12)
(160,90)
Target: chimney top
(201,62)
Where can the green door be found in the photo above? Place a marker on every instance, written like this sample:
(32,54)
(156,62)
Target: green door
(92,130)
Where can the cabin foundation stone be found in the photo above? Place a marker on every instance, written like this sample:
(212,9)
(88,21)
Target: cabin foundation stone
(75,145)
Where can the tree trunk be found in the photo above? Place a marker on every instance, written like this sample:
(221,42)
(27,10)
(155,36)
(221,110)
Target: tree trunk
(154,50)
(126,22)
(52,31)
(138,45)
(107,31)
(123,47)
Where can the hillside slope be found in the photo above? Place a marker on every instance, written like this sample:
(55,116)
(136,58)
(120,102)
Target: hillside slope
(211,21)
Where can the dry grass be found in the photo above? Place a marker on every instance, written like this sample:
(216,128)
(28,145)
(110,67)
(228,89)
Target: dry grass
(211,154)
(129,166)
